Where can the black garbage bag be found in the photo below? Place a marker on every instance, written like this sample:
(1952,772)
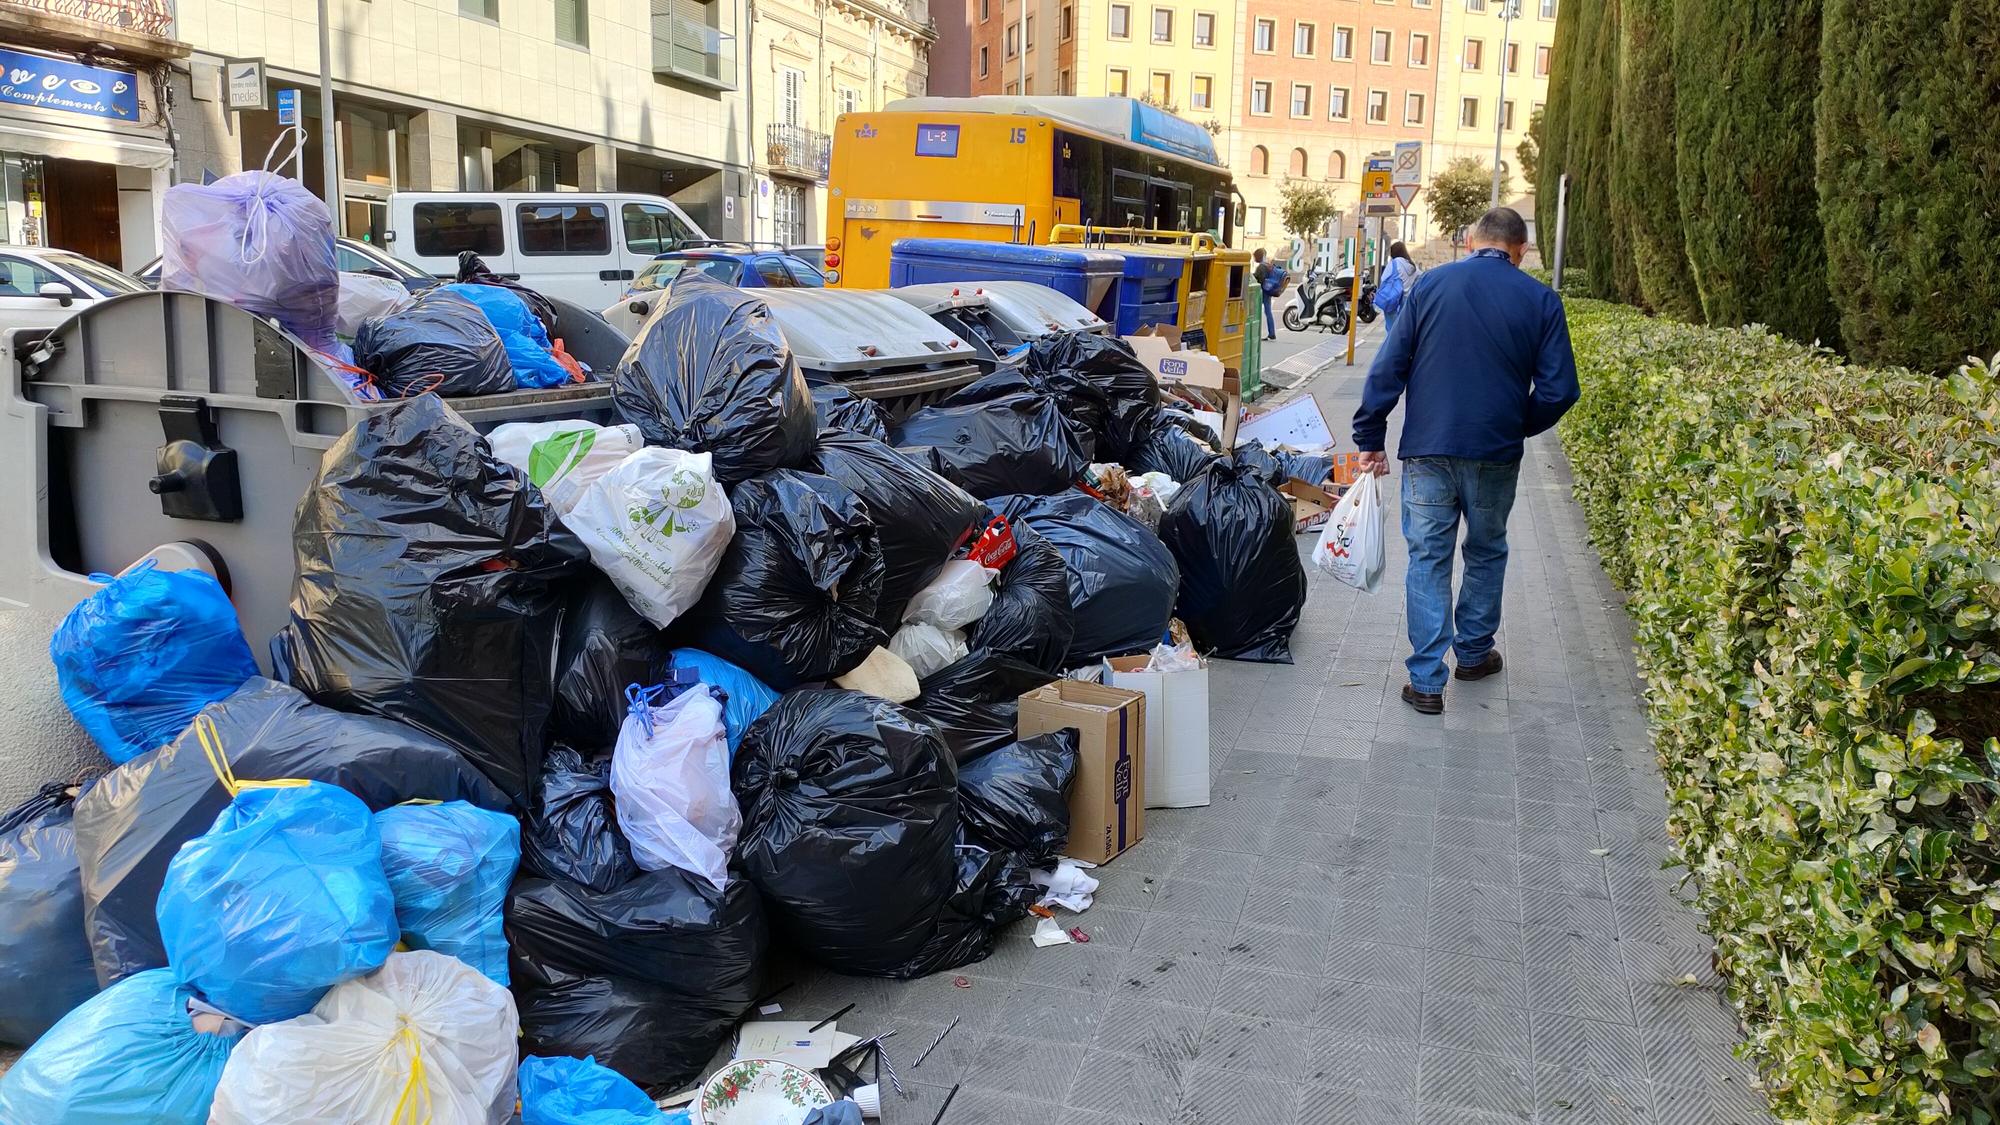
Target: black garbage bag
(46,969)
(1252,457)
(920,517)
(438,342)
(797,594)
(1122,581)
(841,409)
(1105,362)
(1086,409)
(1182,420)
(572,832)
(430,579)
(1016,798)
(473,270)
(973,701)
(650,976)
(1313,468)
(1174,446)
(710,373)
(1030,618)
(990,890)
(132,821)
(850,818)
(1019,443)
(605,645)
(1242,585)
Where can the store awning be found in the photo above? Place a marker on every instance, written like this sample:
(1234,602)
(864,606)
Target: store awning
(104,146)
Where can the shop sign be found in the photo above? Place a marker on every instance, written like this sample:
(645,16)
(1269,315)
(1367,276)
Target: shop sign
(46,83)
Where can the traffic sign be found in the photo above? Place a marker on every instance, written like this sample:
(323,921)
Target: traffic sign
(1409,163)
(288,107)
(1406,194)
(1380,205)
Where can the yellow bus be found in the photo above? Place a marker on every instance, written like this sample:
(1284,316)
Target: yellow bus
(1006,169)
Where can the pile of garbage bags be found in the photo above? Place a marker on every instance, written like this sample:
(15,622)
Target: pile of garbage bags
(47,968)
(1122,579)
(438,343)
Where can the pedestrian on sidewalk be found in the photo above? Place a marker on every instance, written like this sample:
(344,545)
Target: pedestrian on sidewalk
(1482,352)
(1270,278)
(1394,292)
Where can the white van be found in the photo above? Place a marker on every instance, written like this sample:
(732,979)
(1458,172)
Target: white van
(582,246)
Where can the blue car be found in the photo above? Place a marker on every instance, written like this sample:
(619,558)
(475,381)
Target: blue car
(732,263)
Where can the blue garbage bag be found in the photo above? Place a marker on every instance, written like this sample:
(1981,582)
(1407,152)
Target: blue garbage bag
(282,899)
(261,242)
(527,342)
(449,866)
(137,659)
(46,970)
(131,1053)
(567,1091)
(745,697)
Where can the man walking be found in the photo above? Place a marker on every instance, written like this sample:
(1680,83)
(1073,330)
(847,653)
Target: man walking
(1482,351)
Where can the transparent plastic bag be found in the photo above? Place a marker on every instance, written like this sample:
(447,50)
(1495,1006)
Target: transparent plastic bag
(657,525)
(960,595)
(261,242)
(670,778)
(1350,548)
(363,297)
(927,648)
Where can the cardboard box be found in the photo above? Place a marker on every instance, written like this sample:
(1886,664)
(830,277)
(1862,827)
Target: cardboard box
(1176,730)
(1170,364)
(1312,505)
(1107,805)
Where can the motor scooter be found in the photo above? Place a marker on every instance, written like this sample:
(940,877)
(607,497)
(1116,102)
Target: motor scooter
(1324,304)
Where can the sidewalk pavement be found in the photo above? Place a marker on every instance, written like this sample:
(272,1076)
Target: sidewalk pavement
(1383,918)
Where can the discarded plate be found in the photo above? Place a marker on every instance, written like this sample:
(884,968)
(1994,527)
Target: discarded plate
(760,1092)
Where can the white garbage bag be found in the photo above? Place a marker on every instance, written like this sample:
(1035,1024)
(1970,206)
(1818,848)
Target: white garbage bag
(883,675)
(657,525)
(1350,548)
(960,594)
(563,458)
(424,1038)
(670,778)
(927,648)
(362,296)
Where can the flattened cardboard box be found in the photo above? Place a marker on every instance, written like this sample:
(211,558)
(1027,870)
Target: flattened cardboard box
(1107,805)
(1176,729)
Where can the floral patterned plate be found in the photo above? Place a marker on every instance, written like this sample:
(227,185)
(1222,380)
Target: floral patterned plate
(760,1092)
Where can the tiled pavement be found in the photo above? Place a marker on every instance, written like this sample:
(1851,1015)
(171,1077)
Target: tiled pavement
(1383,918)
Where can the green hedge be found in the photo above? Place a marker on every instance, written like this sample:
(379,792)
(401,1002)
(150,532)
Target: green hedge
(1812,556)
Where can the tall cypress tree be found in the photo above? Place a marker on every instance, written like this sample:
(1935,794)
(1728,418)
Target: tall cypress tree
(1593,84)
(1909,177)
(1645,198)
(1553,160)
(1746,76)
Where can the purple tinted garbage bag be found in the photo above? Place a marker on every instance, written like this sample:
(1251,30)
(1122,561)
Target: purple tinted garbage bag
(260,242)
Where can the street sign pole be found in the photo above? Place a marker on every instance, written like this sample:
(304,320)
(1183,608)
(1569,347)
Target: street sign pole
(329,159)
(1562,226)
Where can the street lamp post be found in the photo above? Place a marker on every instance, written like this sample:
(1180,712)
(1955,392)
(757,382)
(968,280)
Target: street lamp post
(329,156)
(1510,10)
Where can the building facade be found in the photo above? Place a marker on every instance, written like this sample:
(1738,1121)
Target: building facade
(1497,75)
(1176,54)
(811,61)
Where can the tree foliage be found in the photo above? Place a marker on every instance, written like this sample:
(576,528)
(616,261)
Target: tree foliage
(1909,177)
(1645,201)
(1552,159)
(1529,151)
(1746,77)
(1460,193)
(1305,207)
(1593,230)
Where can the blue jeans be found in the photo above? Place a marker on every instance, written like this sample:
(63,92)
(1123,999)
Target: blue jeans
(1270,321)
(1437,492)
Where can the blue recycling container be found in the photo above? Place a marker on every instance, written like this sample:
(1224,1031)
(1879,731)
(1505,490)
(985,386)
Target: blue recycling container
(1149,292)
(1090,277)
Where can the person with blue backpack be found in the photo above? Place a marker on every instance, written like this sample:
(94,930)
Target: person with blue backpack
(1270,276)
(1395,286)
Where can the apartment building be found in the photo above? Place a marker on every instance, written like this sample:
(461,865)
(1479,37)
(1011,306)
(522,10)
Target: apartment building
(1176,54)
(1496,74)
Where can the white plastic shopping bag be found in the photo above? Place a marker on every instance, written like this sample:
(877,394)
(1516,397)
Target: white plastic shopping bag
(563,458)
(1350,548)
(927,648)
(960,594)
(364,296)
(657,525)
(670,776)
(424,1038)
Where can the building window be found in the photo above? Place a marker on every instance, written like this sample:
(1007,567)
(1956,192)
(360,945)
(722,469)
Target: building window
(1420,49)
(1028,86)
(1260,161)
(1163,87)
(1413,109)
(573,22)
(1028,34)
(1542,61)
(1012,89)
(1297,167)
(1118,82)
(1013,40)
(1381,45)
(791,95)
(1468,113)
(850,99)
(1068,24)
(1260,98)
(1378,107)
(1548,9)
(788,213)
(1302,39)
(1204,29)
(1476,5)
(1513,57)
(1420,3)
(1253,222)
(1265,41)
(1121,21)
(1336,103)
(1336,165)
(484,9)
(1343,43)
(1163,25)
(1475,53)
(1065,84)
(1202,96)
(983,65)
(1302,100)
(985,10)
(1507,116)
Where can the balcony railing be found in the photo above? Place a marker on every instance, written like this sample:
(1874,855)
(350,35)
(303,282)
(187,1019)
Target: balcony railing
(798,150)
(691,49)
(142,28)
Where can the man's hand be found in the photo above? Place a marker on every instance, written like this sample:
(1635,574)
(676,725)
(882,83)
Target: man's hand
(1375,461)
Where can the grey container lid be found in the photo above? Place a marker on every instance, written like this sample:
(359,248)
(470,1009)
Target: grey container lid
(849,330)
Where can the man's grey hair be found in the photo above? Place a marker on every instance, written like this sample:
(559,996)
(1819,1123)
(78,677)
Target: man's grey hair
(1503,226)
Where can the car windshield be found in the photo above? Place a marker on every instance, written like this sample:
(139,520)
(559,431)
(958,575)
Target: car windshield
(661,272)
(109,281)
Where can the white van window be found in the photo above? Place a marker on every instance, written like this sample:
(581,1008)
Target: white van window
(652,229)
(564,228)
(446,229)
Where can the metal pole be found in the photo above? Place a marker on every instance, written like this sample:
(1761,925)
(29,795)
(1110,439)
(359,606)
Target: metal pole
(1499,107)
(328,159)
(1354,299)
(1562,226)
(1024,49)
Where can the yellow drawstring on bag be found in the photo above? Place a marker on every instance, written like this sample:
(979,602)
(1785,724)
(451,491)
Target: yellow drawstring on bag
(414,1106)
(218,760)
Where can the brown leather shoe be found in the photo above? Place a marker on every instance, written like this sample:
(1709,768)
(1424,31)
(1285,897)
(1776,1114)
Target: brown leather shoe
(1424,702)
(1481,670)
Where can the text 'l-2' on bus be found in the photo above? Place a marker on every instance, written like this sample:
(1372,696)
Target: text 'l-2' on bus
(1005,169)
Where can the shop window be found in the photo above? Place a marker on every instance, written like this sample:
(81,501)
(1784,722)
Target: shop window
(446,230)
(564,228)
